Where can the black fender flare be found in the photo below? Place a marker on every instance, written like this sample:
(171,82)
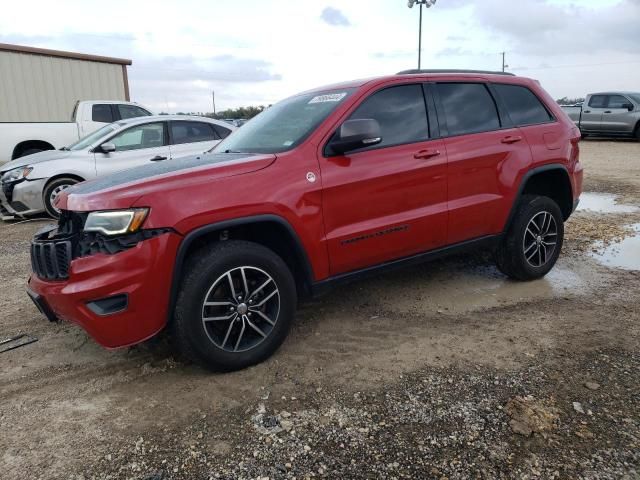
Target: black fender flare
(193,235)
(523,183)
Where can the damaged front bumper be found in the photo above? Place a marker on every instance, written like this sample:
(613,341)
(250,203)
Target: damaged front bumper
(22,198)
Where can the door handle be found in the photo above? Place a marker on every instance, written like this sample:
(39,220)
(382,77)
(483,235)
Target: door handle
(428,153)
(511,139)
(587,111)
(157,158)
(607,111)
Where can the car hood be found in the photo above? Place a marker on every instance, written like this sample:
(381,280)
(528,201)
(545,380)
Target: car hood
(39,157)
(122,189)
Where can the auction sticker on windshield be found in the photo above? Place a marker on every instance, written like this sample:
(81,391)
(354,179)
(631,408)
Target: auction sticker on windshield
(332,97)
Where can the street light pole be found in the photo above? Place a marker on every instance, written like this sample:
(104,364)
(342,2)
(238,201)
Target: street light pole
(420,39)
(428,4)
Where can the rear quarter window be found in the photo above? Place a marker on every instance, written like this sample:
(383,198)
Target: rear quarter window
(221,131)
(524,107)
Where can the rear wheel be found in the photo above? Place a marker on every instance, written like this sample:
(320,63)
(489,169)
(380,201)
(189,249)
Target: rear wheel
(235,306)
(532,244)
(51,192)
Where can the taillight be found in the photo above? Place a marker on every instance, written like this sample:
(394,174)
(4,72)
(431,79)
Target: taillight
(575,135)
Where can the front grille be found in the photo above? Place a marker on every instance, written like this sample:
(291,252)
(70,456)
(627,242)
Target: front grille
(52,248)
(51,260)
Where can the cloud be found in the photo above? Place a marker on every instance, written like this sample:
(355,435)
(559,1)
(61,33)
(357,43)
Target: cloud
(453,51)
(185,83)
(540,27)
(219,68)
(333,16)
(165,82)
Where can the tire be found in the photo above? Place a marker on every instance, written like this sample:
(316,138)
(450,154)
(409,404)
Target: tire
(637,133)
(526,253)
(52,190)
(220,343)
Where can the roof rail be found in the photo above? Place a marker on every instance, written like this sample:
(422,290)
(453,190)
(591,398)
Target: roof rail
(446,70)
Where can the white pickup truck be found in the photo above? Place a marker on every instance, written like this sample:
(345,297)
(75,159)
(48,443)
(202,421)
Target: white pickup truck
(18,139)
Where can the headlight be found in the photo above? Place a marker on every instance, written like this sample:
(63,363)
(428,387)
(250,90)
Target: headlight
(116,222)
(16,174)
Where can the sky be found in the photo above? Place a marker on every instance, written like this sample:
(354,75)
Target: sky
(256,53)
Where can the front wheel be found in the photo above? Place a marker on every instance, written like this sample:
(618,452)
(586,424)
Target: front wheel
(51,192)
(531,246)
(235,306)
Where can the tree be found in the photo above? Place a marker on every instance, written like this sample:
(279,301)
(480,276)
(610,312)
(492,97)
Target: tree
(241,112)
(569,101)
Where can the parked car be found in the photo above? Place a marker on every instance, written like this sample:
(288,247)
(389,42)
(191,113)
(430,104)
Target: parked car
(322,188)
(31,184)
(236,122)
(18,139)
(608,114)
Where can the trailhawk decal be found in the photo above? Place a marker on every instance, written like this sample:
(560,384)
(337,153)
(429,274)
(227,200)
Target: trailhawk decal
(400,228)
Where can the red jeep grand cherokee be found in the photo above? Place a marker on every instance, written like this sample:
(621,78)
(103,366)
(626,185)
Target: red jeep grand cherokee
(319,189)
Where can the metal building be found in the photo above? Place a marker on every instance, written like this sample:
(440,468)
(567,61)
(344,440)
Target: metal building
(40,85)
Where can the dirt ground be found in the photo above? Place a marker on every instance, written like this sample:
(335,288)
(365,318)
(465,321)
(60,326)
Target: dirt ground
(444,371)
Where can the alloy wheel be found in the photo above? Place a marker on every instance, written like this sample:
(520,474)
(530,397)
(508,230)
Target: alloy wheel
(54,194)
(540,239)
(241,309)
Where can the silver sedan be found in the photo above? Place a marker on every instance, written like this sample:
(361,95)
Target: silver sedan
(30,185)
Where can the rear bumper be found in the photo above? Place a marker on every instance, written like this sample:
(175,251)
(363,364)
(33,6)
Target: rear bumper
(143,274)
(577,178)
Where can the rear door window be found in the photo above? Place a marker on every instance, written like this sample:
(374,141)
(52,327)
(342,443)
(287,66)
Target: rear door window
(401,113)
(618,101)
(598,101)
(523,106)
(131,111)
(192,132)
(468,108)
(149,135)
(101,112)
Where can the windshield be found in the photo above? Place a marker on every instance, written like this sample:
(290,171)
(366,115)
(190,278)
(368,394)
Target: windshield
(635,97)
(90,139)
(284,125)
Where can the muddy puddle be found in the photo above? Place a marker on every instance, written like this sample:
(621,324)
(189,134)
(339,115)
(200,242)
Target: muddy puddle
(465,285)
(625,254)
(603,203)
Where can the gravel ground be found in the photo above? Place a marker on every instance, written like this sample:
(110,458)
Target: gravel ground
(443,371)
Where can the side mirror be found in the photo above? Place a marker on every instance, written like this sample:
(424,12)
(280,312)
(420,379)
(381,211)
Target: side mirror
(628,106)
(354,134)
(107,147)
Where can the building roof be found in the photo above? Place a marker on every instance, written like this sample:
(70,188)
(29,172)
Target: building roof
(6,47)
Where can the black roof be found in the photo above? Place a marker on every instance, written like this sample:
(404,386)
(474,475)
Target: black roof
(446,70)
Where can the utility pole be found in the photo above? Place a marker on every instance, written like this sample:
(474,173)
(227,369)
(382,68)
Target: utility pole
(213,99)
(504,65)
(428,4)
